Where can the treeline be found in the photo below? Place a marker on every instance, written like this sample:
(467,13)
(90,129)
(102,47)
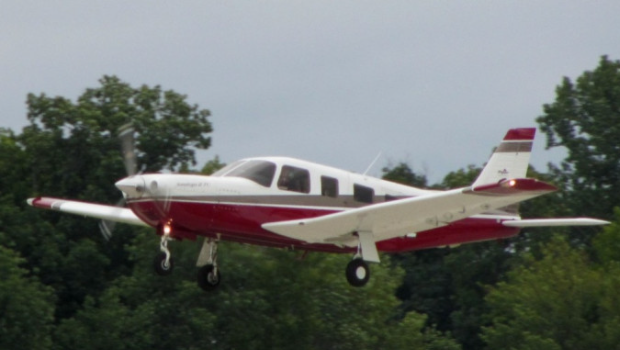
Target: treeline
(64,286)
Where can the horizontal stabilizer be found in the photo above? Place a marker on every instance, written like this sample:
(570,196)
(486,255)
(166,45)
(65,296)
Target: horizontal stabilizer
(555,222)
(100,211)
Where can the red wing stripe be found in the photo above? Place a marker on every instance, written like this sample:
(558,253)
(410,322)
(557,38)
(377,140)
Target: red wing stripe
(45,202)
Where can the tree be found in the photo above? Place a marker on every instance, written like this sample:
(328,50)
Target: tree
(71,149)
(607,243)
(449,285)
(26,306)
(402,174)
(212,166)
(426,287)
(281,302)
(81,138)
(460,178)
(561,301)
(585,119)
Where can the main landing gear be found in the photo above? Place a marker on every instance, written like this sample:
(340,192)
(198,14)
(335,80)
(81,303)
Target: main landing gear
(208,276)
(358,271)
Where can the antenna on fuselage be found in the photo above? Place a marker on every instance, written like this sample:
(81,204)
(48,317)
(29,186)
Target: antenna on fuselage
(373,163)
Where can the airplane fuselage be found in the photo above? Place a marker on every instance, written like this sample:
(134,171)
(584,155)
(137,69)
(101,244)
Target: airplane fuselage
(235,202)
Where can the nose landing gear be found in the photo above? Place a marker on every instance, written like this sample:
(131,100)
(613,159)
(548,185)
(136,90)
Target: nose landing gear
(163,262)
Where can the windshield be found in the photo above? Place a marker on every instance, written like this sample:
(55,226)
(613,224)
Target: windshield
(229,167)
(259,171)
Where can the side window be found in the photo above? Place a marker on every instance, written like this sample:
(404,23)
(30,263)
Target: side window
(329,186)
(294,179)
(363,194)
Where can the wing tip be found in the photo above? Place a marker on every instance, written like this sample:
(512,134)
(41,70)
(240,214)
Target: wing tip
(554,222)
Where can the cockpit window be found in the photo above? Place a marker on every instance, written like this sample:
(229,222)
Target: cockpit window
(259,171)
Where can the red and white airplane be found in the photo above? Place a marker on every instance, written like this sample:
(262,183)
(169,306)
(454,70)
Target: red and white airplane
(295,204)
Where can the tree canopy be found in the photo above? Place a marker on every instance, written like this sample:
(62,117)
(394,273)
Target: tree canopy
(584,119)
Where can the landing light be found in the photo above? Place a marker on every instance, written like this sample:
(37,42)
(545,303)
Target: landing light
(509,183)
(167,229)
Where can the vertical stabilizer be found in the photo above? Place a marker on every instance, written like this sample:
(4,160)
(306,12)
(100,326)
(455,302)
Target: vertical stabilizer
(510,159)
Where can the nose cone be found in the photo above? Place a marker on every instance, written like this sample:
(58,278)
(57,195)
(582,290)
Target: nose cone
(131,186)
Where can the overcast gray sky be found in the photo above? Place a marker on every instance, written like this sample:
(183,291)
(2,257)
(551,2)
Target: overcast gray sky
(433,83)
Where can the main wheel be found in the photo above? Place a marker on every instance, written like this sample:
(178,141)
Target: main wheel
(208,278)
(358,273)
(161,267)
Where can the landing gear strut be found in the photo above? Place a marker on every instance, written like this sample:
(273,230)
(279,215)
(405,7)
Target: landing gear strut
(163,262)
(358,272)
(208,276)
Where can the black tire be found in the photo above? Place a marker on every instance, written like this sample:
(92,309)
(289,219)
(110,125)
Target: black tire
(159,263)
(358,273)
(207,280)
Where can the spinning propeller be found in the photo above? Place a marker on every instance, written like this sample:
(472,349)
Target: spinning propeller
(134,183)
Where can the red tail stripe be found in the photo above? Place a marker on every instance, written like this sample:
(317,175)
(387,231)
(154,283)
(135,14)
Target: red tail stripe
(520,134)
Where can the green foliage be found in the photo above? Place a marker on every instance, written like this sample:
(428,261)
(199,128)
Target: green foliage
(270,299)
(212,166)
(26,306)
(167,127)
(607,243)
(460,178)
(561,301)
(402,174)
(585,119)
(447,284)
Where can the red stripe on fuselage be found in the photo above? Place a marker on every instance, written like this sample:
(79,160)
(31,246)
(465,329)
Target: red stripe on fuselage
(242,223)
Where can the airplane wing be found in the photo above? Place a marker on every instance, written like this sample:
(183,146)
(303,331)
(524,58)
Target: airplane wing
(411,215)
(554,222)
(100,211)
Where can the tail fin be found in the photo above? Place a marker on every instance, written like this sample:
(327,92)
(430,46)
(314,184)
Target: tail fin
(510,159)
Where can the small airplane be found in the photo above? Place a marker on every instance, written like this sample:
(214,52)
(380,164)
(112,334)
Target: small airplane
(295,204)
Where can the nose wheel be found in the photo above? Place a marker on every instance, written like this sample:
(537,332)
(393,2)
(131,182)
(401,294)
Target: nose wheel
(163,265)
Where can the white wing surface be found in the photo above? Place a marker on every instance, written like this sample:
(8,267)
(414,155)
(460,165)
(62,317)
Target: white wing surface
(411,215)
(554,222)
(99,211)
